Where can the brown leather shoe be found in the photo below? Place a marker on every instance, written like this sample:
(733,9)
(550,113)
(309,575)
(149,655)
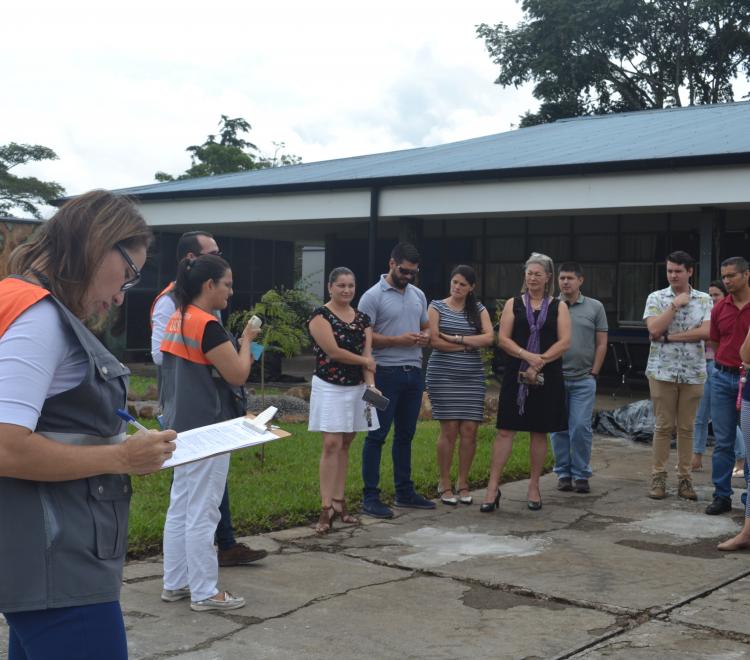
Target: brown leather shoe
(239,555)
(685,490)
(658,487)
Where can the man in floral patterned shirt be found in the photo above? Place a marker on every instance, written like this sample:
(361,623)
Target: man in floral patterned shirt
(678,321)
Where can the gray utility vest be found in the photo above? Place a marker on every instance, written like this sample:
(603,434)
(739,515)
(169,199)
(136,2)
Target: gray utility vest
(63,543)
(196,395)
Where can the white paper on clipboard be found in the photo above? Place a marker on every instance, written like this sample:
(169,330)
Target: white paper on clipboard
(220,438)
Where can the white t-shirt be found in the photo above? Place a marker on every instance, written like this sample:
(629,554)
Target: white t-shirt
(39,358)
(163,310)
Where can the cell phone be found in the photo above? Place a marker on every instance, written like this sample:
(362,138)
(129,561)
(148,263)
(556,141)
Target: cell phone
(374,399)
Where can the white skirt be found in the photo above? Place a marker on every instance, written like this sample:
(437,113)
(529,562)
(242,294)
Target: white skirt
(339,408)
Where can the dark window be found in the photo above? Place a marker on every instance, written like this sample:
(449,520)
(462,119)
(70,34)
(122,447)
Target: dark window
(506,248)
(555,247)
(636,281)
(586,248)
(599,282)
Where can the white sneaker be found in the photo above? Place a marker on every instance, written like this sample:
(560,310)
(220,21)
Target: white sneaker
(230,602)
(172,595)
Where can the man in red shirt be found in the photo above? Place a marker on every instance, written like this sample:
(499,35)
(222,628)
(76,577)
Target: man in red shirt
(730,320)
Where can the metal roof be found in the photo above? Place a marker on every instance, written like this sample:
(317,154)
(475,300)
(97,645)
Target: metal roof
(698,135)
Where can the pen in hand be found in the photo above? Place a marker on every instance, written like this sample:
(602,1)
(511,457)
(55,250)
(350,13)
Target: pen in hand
(127,417)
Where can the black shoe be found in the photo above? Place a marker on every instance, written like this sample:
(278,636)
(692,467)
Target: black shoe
(489,507)
(534,505)
(414,501)
(582,486)
(376,509)
(565,484)
(719,505)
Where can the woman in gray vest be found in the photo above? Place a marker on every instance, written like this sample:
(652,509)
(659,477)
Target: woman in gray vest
(64,456)
(203,374)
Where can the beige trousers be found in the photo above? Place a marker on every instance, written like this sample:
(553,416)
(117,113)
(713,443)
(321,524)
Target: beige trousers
(675,404)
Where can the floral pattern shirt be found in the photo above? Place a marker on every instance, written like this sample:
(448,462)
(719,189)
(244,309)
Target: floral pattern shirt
(350,337)
(678,362)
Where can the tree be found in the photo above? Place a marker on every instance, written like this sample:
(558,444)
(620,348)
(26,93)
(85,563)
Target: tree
(231,153)
(600,56)
(25,192)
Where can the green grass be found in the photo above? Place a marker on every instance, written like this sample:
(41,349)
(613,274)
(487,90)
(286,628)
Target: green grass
(139,384)
(283,490)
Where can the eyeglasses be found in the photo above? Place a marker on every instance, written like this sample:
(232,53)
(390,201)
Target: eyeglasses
(215,253)
(408,272)
(129,284)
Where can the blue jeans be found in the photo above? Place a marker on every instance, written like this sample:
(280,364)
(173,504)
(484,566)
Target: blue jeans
(403,386)
(572,448)
(83,632)
(224,531)
(724,419)
(700,432)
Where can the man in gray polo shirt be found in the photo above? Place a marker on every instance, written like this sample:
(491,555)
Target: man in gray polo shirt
(398,313)
(581,365)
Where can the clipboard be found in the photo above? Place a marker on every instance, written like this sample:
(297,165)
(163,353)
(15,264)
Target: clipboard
(220,438)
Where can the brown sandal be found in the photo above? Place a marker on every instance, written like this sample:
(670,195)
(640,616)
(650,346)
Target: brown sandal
(343,515)
(325,521)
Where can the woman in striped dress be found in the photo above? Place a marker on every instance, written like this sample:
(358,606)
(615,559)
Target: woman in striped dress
(459,326)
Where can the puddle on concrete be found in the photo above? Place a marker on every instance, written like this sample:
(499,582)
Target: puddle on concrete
(592,522)
(436,547)
(684,525)
(705,549)
(480,597)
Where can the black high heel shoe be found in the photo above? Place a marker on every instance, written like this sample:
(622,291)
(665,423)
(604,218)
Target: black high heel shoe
(489,507)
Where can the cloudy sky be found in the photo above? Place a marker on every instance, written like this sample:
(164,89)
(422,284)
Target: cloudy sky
(120,90)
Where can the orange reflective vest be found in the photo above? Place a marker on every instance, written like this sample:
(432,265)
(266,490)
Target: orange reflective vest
(184,334)
(16,296)
(167,289)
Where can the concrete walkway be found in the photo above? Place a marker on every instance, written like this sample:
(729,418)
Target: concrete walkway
(611,574)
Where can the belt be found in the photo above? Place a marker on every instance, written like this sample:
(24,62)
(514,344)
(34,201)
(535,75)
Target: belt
(403,367)
(729,370)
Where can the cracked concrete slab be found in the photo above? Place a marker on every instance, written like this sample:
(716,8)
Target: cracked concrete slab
(657,639)
(726,609)
(610,574)
(424,617)
(279,583)
(615,549)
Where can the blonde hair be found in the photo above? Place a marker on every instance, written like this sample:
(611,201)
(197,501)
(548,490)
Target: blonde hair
(549,268)
(71,245)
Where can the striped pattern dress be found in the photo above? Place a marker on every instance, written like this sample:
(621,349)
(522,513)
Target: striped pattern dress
(456,381)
